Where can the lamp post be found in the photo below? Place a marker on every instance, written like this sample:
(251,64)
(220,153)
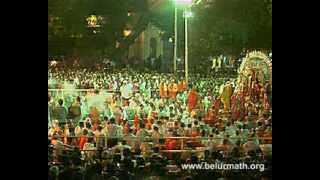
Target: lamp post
(186,71)
(187,14)
(175,41)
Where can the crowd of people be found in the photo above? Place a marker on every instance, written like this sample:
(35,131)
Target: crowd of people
(124,124)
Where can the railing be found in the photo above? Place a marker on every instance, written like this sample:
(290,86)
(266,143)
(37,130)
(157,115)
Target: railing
(92,90)
(172,137)
(182,141)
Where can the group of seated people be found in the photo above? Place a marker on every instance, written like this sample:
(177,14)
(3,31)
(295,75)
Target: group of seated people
(189,124)
(86,78)
(122,162)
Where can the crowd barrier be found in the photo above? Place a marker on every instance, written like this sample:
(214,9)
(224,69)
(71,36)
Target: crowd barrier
(88,90)
(170,137)
(183,141)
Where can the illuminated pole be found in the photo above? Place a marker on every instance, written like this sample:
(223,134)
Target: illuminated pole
(175,41)
(184,3)
(186,46)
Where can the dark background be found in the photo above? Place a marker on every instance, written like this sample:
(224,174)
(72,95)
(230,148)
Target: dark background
(24,88)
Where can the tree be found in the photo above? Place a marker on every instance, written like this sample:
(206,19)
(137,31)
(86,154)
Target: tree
(67,26)
(229,26)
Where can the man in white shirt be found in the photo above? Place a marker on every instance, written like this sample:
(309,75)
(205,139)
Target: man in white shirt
(126,91)
(121,146)
(213,62)
(99,138)
(163,112)
(89,149)
(185,117)
(78,129)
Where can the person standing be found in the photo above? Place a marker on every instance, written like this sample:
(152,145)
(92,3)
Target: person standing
(49,112)
(126,92)
(192,100)
(89,148)
(99,138)
(268,89)
(75,110)
(226,96)
(60,112)
(172,89)
(163,89)
(181,85)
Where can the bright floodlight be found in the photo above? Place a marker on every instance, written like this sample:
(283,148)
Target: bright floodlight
(53,63)
(183,2)
(198,2)
(127,32)
(187,14)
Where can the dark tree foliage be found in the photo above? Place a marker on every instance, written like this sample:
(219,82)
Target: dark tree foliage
(219,26)
(67,25)
(228,26)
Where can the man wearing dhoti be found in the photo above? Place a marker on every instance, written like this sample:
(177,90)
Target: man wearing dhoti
(172,89)
(214,63)
(126,93)
(163,90)
(192,100)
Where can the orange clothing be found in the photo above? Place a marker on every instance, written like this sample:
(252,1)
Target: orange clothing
(94,116)
(209,117)
(125,102)
(217,105)
(192,100)
(65,138)
(153,115)
(163,90)
(181,86)
(94,126)
(172,89)
(268,138)
(172,144)
(147,123)
(126,129)
(195,142)
(82,141)
(136,122)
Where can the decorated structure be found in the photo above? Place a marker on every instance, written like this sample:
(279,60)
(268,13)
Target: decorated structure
(256,67)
